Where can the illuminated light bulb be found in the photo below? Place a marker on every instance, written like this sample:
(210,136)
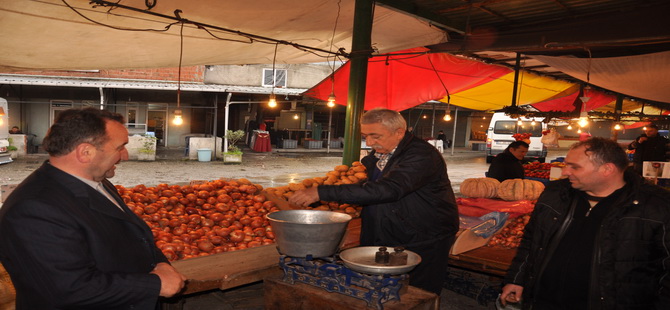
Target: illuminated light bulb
(483,117)
(273,101)
(296,116)
(644,128)
(617,127)
(583,121)
(331,100)
(569,127)
(425,117)
(579,131)
(447,116)
(178,120)
(533,123)
(519,122)
(1,121)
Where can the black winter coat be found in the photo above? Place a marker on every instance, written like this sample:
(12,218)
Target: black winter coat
(412,203)
(631,258)
(505,166)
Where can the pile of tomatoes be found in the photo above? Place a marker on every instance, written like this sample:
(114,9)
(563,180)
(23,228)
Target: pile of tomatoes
(521,136)
(198,220)
(537,170)
(510,236)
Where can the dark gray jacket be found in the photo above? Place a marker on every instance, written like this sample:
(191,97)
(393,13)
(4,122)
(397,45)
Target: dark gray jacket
(412,203)
(631,259)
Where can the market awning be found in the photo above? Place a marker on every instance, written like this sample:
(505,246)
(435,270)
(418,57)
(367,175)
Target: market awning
(643,76)
(408,78)
(77,34)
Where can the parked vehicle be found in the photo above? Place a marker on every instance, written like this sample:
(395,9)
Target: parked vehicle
(5,157)
(502,128)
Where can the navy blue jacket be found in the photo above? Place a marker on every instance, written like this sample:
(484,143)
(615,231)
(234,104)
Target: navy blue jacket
(66,246)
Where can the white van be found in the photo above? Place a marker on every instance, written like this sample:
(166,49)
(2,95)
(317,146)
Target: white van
(501,129)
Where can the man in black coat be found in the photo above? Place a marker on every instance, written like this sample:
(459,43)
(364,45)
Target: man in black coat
(407,200)
(597,239)
(649,147)
(507,165)
(67,239)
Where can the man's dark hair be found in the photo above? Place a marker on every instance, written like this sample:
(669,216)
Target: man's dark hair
(516,144)
(652,126)
(601,151)
(76,126)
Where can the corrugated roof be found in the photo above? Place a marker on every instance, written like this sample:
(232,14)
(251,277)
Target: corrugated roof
(16,79)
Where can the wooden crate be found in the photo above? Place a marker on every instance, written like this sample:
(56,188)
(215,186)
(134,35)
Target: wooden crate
(229,269)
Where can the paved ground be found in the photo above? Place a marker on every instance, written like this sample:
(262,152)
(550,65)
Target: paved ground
(268,169)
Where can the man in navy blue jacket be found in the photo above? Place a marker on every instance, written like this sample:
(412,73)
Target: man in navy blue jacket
(407,200)
(67,239)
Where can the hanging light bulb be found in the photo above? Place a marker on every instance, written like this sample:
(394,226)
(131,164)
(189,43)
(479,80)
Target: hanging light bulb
(447,115)
(617,127)
(296,116)
(273,101)
(583,119)
(424,116)
(177,118)
(532,123)
(644,128)
(569,127)
(519,122)
(579,131)
(331,100)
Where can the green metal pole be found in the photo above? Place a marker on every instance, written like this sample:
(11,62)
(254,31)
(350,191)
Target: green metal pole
(361,49)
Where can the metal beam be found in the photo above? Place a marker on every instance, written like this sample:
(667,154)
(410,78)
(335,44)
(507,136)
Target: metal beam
(361,49)
(419,12)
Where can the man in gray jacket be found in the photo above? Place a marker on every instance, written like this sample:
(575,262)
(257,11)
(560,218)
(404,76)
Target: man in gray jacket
(407,200)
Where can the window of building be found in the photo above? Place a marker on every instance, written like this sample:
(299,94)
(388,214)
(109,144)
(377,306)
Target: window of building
(279,78)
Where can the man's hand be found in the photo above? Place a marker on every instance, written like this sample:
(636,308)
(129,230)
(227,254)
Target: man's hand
(511,293)
(641,139)
(171,280)
(304,197)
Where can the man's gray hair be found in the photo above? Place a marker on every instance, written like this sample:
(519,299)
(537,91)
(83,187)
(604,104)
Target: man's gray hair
(390,119)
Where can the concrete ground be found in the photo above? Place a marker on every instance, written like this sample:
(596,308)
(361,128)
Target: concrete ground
(268,169)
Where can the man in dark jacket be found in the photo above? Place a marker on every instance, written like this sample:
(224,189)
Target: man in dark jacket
(649,147)
(507,165)
(407,201)
(596,240)
(67,239)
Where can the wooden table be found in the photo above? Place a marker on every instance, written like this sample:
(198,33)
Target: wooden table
(281,295)
(493,261)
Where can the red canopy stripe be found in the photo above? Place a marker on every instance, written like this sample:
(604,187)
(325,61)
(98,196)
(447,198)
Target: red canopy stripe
(400,81)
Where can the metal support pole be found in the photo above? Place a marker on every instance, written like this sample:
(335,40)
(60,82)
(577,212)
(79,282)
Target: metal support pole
(453,134)
(225,126)
(360,52)
(330,128)
(216,109)
(432,126)
(517,68)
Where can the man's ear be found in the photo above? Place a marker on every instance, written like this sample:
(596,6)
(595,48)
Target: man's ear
(609,169)
(85,152)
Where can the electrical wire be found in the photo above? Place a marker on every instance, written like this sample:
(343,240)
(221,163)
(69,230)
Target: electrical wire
(252,38)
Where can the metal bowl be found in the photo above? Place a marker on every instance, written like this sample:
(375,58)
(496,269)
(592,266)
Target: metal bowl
(362,259)
(300,233)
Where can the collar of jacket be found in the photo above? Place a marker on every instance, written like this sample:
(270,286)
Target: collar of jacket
(401,145)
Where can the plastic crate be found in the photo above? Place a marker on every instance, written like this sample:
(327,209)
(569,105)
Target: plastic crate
(313,144)
(482,288)
(290,144)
